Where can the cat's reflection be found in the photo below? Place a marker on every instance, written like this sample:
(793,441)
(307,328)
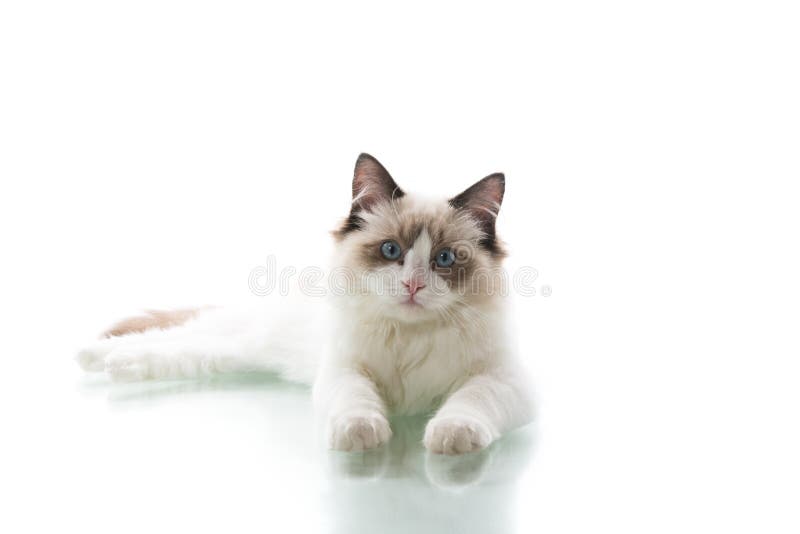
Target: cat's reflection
(155,391)
(399,487)
(402,482)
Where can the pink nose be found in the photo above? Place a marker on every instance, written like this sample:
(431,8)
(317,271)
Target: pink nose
(413,286)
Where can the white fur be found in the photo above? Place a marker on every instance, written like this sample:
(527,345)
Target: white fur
(368,356)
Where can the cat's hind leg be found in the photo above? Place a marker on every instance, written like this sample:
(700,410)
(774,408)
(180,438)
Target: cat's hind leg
(186,355)
(215,341)
(93,356)
(154,324)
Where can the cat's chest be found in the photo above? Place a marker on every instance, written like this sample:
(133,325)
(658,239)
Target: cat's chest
(415,370)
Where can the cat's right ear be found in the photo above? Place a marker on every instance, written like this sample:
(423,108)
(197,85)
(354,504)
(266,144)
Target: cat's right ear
(372,184)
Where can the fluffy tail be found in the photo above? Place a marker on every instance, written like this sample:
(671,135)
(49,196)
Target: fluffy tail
(161,319)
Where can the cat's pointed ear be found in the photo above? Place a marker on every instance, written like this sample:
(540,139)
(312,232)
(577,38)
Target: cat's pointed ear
(482,201)
(372,184)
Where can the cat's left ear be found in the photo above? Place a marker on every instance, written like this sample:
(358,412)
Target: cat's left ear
(482,201)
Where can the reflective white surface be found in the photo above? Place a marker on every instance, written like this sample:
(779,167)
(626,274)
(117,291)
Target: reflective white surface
(241,454)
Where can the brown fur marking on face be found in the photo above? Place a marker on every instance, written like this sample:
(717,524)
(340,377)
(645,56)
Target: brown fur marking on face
(161,319)
(404,220)
(352,223)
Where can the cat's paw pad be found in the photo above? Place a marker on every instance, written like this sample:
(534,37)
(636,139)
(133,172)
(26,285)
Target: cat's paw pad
(456,435)
(358,432)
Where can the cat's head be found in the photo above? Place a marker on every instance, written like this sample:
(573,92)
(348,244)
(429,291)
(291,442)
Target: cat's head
(411,259)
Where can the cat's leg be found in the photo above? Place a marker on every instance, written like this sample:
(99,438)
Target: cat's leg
(354,412)
(93,356)
(200,349)
(148,327)
(184,355)
(284,339)
(477,413)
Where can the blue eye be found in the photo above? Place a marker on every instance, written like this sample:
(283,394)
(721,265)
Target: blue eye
(390,250)
(445,258)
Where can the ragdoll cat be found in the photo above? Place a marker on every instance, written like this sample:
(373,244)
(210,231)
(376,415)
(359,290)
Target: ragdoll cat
(415,324)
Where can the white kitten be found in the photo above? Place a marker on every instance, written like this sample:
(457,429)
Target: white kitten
(416,324)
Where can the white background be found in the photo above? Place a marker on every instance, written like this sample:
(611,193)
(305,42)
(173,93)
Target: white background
(152,153)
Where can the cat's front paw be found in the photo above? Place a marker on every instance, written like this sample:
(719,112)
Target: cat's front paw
(456,435)
(358,432)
